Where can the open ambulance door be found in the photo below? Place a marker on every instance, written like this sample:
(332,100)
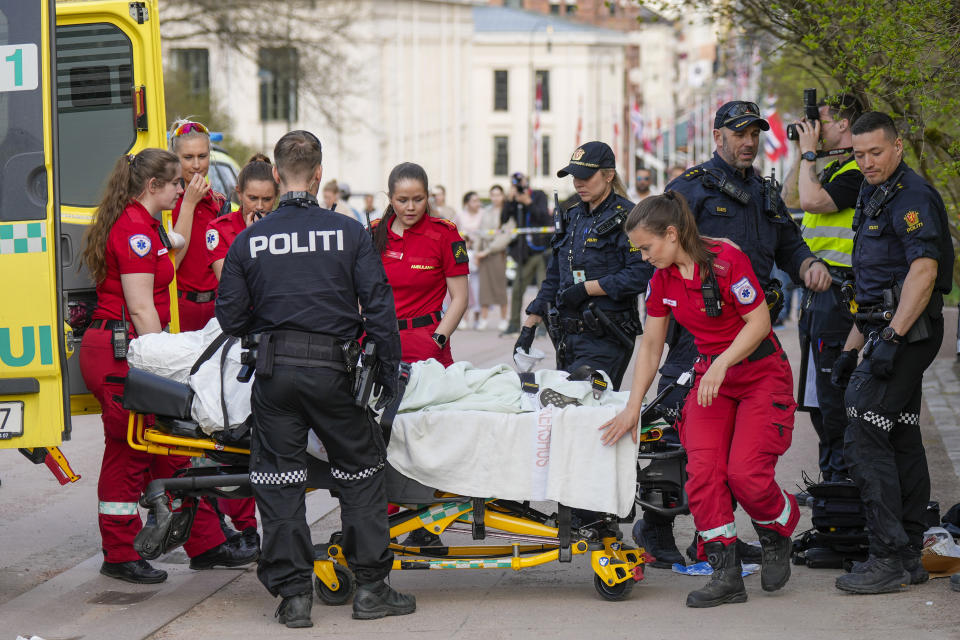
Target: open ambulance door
(34,411)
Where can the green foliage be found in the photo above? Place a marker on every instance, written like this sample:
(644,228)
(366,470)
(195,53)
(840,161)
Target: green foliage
(181,102)
(898,56)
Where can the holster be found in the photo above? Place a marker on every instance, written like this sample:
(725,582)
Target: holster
(555,331)
(773,294)
(265,351)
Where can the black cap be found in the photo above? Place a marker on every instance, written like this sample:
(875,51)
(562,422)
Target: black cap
(587,159)
(738,114)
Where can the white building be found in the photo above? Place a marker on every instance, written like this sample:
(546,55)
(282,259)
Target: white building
(430,88)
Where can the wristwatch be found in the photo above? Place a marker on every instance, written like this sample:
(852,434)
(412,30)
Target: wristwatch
(889,335)
(809,156)
(440,339)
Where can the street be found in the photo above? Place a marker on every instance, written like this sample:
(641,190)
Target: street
(49,585)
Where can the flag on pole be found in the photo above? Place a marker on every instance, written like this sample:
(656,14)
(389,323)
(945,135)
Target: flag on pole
(775,142)
(579,121)
(616,128)
(538,107)
(636,120)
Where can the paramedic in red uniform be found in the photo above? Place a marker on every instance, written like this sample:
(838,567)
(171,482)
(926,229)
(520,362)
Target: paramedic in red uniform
(127,257)
(425,258)
(194,211)
(258,194)
(738,417)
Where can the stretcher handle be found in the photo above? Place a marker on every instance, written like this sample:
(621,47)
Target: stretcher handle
(685,379)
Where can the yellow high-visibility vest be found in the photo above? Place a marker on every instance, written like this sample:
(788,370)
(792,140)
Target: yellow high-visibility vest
(830,235)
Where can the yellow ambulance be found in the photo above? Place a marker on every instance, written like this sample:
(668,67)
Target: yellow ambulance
(81,83)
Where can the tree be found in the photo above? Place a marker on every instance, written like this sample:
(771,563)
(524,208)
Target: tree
(317,29)
(898,56)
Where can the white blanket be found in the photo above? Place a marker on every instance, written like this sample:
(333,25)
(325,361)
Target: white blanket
(552,454)
(460,429)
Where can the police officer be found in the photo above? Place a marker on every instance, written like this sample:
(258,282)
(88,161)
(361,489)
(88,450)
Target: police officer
(828,200)
(593,263)
(301,278)
(902,263)
(729,199)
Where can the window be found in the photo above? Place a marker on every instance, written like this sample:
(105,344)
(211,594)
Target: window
(195,64)
(542,81)
(500,102)
(501,159)
(571,8)
(94,107)
(555,8)
(513,4)
(279,73)
(545,155)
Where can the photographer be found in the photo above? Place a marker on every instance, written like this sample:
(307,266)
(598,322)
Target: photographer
(526,207)
(828,200)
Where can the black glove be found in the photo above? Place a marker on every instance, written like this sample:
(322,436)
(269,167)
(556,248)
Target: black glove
(881,360)
(388,382)
(525,341)
(843,366)
(573,297)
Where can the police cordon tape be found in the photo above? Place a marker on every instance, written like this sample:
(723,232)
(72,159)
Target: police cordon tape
(493,232)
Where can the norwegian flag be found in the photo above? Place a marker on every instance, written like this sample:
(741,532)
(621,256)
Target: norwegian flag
(775,142)
(579,121)
(636,120)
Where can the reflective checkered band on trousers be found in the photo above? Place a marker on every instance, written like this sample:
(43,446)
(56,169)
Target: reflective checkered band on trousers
(784,516)
(442,512)
(286,477)
(27,237)
(360,475)
(728,530)
(117,508)
(880,421)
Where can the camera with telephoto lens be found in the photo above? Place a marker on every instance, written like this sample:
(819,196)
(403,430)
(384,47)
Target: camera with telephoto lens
(811,112)
(519,181)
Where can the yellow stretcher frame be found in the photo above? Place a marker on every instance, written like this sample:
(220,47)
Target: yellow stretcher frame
(616,567)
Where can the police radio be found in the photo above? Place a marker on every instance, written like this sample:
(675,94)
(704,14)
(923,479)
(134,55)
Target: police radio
(880,197)
(559,216)
(712,302)
(713,179)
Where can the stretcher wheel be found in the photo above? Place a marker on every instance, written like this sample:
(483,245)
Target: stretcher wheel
(348,584)
(613,593)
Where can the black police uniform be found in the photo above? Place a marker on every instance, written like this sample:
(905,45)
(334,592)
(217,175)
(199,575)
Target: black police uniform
(300,277)
(824,324)
(883,445)
(594,247)
(767,237)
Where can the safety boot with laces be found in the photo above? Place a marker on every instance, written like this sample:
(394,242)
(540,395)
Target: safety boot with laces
(726,583)
(378,599)
(658,541)
(294,611)
(775,567)
(876,575)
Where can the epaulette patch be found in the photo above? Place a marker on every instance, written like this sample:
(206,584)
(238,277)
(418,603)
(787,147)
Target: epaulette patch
(459,249)
(444,221)
(720,266)
(692,173)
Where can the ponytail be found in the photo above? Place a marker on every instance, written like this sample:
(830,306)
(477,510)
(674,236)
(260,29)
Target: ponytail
(656,213)
(617,183)
(130,176)
(258,167)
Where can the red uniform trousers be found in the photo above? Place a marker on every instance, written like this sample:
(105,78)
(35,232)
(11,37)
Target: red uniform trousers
(417,344)
(194,315)
(733,446)
(125,472)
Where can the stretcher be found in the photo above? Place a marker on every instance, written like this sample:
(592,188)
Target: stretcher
(520,535)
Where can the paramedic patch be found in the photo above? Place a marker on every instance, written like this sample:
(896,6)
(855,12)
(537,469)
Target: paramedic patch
(459,251)
(744,291)
(213,239)
(140,244)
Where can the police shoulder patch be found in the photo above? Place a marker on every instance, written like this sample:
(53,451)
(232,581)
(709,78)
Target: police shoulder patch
(743,291)
(213,239)
(912,218)
(140,244)
(459,249)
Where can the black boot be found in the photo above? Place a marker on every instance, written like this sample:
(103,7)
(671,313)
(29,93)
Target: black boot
(749,553)
(250,540)
(224,555)
(726,583)
(692,549)
(377,599)
(775,569)
(876,575)
(422,538)
(294,611)
(658,541)
(136,571)
(910,557)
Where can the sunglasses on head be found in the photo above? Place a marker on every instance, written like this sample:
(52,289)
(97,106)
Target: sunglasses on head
(187,127)
(739,110)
